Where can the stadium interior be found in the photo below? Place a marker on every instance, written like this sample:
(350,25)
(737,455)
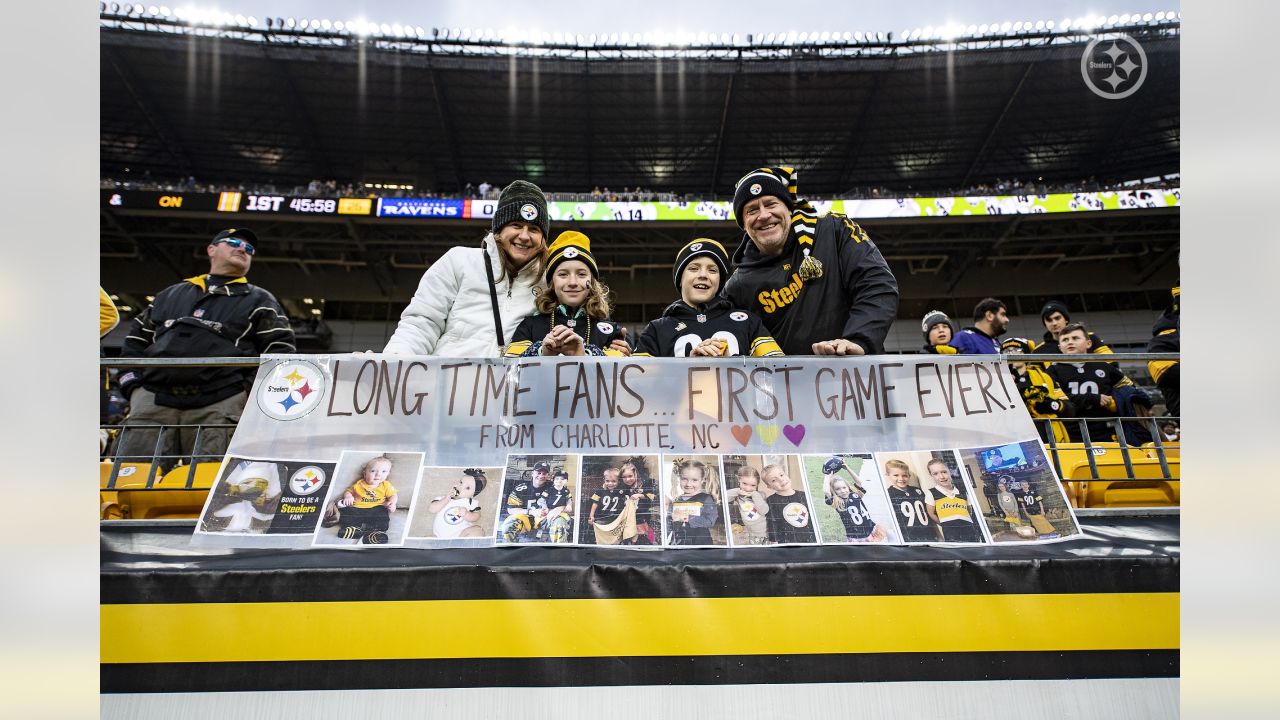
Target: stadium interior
(441,113)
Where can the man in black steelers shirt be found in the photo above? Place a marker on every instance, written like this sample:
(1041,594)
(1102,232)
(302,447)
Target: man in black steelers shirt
(908,502)
(1093,387)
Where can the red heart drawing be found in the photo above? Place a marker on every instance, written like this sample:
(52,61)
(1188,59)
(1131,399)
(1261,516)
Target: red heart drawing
(741,433)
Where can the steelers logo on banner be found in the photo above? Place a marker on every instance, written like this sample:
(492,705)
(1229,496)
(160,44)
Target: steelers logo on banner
(292,390)
(306,480)
(528,211)
(796,514)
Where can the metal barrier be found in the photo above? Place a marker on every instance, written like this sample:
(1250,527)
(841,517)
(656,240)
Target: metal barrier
(1144,468)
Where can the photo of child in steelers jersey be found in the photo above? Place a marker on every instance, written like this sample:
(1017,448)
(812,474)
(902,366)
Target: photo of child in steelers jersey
(1019,497)
(455,506)
(537,503)
(854,507)
(368,501)
(609,508)
(930,500)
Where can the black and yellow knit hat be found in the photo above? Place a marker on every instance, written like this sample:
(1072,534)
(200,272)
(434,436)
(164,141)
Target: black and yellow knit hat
(1022,344)
(522,201)
(934,317)
(702,246)
(779,182)
(571,245)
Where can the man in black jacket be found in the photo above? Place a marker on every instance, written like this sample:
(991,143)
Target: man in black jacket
(819,283)
(218,314)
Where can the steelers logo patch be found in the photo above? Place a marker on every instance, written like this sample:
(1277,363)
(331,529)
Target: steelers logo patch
(738,315)
(755,189)
(453,515)
(291,389)
(695,247)
(571,252)
(306,480)
(1100,373)
(796,515)
(605,327)
(529,212)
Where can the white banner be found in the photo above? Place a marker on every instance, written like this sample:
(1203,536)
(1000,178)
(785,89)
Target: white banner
(373,450)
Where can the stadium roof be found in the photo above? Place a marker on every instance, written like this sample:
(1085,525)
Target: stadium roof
(288,106)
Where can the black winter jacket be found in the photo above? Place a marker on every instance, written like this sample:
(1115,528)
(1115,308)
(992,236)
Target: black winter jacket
(194,319)
(856,296)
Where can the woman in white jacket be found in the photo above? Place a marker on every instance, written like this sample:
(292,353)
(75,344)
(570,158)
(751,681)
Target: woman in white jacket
(453,312)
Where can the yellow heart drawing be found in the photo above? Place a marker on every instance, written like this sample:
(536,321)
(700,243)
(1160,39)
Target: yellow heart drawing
(768,433)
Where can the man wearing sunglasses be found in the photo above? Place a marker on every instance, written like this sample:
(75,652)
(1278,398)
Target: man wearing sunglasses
(217,314)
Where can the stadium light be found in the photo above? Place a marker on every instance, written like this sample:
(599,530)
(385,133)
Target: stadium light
(1159,16)
(289,23)
(163,11)
(153,10)
(241,20)
(135,10)
(1039,24)
(1124,19)
(1112,20)
(1049,24)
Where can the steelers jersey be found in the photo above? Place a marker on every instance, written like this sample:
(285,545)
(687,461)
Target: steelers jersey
(954,516)
(858,524)
(1084,382)
(912,516)
(683,327)
(534,328)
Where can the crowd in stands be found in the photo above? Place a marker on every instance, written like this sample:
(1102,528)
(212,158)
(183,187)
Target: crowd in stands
(486,191)
(520,293)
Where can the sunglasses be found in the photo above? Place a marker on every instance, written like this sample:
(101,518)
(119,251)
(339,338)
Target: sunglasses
(235,243)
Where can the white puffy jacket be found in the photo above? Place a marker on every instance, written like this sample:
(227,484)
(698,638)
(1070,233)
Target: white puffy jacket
(451,314)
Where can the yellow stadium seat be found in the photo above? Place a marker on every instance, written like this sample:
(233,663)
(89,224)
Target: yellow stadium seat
(1113,489)
(131,476)
(170,498)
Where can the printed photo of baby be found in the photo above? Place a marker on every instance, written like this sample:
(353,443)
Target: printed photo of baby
(455,506)
(365,506)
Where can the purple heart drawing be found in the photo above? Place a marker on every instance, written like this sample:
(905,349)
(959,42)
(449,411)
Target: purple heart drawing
(794,433)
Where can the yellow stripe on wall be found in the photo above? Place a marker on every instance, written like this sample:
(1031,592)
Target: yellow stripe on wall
(399,630)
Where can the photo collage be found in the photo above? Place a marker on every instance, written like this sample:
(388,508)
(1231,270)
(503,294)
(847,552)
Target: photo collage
(960,496)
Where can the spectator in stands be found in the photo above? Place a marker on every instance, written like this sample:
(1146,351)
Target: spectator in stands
(938,331)
(484,188)
(819,283)
(1055,317)
(990,320)
(573,310)
(470,301)
(218,314)
(1098,390)
(1042,396)
(1165,339)
(703,322)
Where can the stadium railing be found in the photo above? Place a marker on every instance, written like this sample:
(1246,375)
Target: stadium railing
(1111,476)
